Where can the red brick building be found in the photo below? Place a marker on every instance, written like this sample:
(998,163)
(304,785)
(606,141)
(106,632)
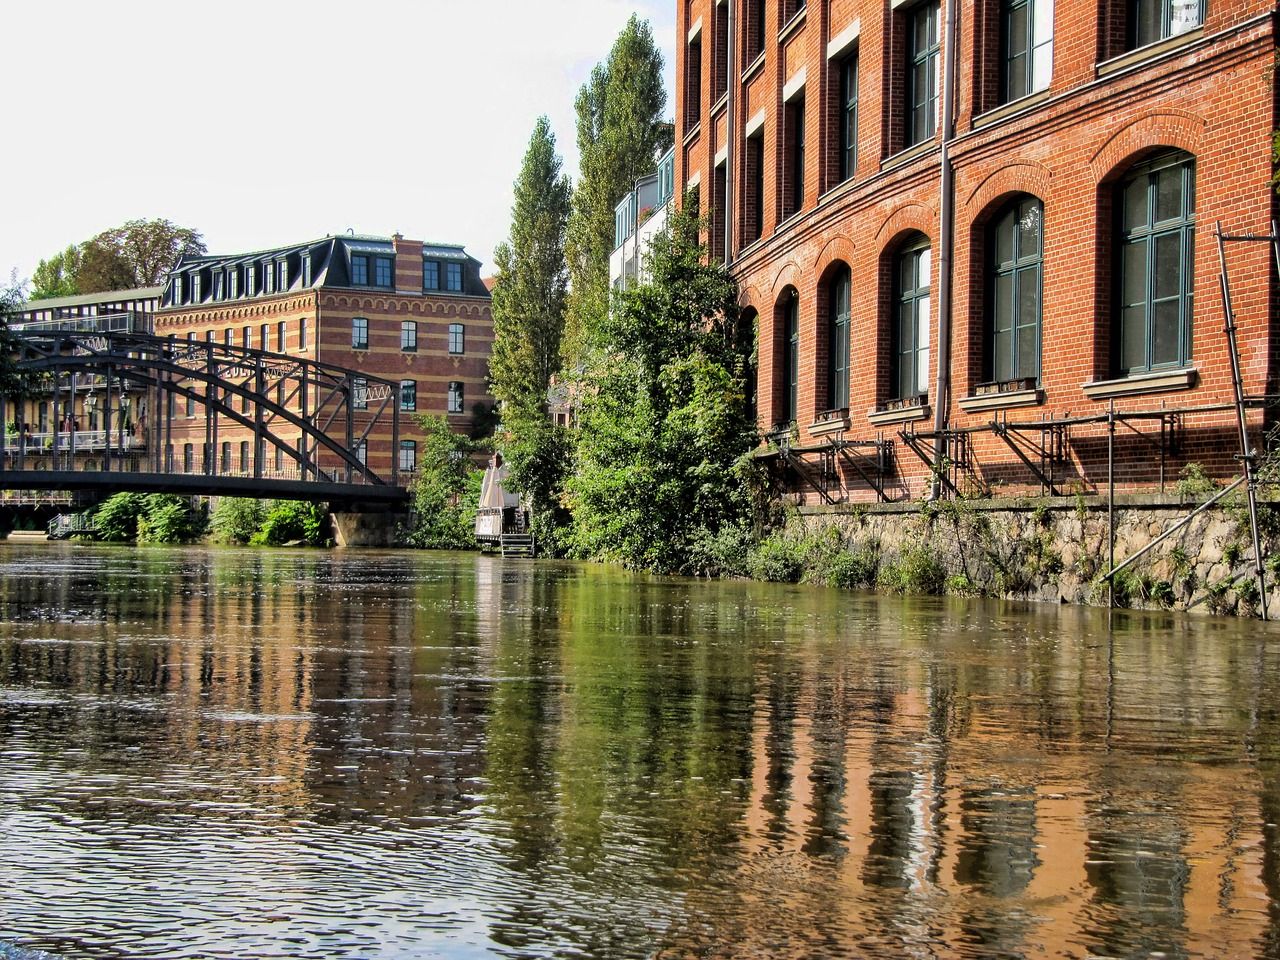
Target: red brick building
(413,313)
(988,287)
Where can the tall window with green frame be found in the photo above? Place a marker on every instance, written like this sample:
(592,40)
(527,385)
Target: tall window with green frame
(909,355)
(1016,245)
(790,357)
(1156,232)
(848,115)
(1026,47)
(1153,20)
(923,81)
(838,341)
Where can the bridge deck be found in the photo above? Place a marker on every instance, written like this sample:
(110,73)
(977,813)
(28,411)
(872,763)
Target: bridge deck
(193,484)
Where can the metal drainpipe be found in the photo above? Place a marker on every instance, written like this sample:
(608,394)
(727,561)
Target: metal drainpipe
(731,132)
(942,388)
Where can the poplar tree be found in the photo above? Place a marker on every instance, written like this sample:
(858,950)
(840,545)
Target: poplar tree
(528,319)
(529,294)
(620,133)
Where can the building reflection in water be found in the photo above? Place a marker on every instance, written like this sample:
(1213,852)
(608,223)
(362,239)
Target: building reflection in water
(626,763)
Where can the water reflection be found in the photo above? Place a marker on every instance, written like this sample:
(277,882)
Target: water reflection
(239,753)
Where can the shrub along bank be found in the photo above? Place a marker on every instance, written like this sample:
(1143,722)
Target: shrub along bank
(165,518)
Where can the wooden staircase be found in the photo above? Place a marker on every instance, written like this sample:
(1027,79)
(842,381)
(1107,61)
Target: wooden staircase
(517,544)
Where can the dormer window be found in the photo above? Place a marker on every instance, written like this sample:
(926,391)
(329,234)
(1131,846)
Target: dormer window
(195,288)
(430,275)
(359,270)
(217,286)
(250,281)
(306,269)
(382,270)
(233,283)
(284,275)
(453,277)
(177,290)
(268,278)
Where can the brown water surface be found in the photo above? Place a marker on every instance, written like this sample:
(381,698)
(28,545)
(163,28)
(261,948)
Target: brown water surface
(208,753)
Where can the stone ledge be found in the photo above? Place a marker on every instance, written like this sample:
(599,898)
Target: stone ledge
(1159,381)
(1091,502)
(881,418)
(1000,401)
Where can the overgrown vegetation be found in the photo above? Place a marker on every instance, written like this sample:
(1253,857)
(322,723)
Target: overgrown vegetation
(446,487)
(292,521)
(150,518)
(235,520)
(667,424)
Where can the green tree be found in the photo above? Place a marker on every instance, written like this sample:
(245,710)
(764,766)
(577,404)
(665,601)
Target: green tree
(532,282)
(138,253)
(446,488)
(620,133)
(56,277)
(292,521)
(666,421)
(528,317)
(236,519)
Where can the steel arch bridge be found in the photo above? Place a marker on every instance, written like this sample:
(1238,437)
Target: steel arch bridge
(130,385)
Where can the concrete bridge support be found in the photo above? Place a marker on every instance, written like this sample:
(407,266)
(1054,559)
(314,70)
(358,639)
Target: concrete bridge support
(367,529)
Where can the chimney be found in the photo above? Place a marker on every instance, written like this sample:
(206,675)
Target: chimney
(408,264)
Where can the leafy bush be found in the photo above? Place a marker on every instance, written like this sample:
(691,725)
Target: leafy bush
(777,559)
(1195,482)
(167,518)
(720,553)
(150,518)
(916,571)
(236,519)
(446,488)
(118,517)
(848,569)
(292,521)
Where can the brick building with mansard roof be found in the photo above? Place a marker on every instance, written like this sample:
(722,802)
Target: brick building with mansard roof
(398,309)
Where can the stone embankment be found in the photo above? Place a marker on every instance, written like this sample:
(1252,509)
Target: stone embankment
(1058,549)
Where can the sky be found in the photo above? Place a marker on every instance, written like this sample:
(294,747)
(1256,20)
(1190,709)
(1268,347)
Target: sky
(271,122)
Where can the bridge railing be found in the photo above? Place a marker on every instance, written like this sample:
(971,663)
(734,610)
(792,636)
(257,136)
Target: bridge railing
(139,460)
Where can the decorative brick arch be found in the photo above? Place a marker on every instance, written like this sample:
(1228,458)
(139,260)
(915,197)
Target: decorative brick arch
(838,250)
(1020,177)
(749,298)
(789,275)
(1173,128)
(908,218)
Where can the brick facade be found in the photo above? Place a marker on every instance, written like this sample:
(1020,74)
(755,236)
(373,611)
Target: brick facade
(326,310)
(1209,91)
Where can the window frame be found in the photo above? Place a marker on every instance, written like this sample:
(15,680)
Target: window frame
(411,464)
(928,58)
(359,393)
(791,360)
(455,399)
(452,275)
(1022,268)
(408,336)
(905,300)
(433,272)
(363,260)
(359,333)
(848,107)
(839,308)
(1149,237)
(379,262)
(1164,29)
(408,396)
(458,339)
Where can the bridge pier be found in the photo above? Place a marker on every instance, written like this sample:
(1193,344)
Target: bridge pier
(367,529)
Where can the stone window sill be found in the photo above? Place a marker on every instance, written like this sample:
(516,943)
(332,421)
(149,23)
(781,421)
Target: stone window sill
(884,418)
(1158,381)
(693,133)
(903,157)
(1001,401)
(1151,51)
(837,422)
(753,68)
(1012,109)
(791,26)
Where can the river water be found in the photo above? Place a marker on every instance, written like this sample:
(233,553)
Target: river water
(221,753)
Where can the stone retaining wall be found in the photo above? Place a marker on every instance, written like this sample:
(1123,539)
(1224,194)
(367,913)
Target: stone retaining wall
(1056,549)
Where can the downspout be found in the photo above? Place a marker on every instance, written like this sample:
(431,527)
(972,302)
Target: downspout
(946,212)
(731,131)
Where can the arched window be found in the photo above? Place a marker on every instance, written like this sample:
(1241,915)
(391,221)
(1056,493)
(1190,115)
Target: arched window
(1156,225)
(792,353)
(1016,247)
(838,342)
(909,373)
